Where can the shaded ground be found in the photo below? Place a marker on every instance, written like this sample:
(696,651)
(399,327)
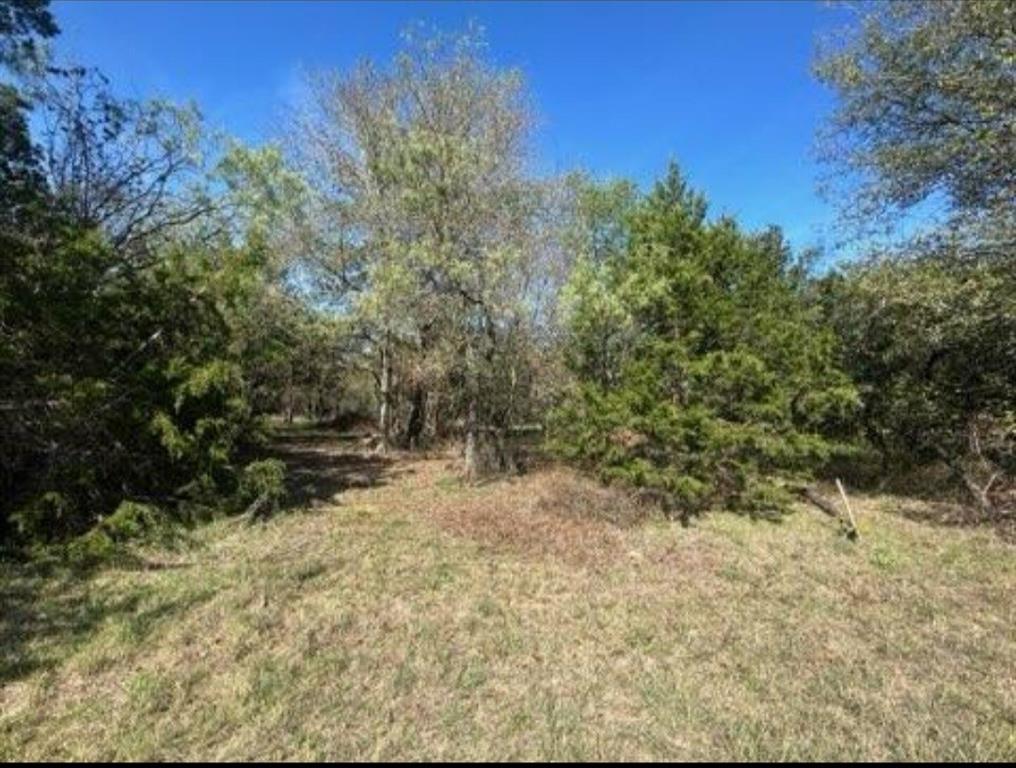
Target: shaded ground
(930,494)
(541,617)
(321,464)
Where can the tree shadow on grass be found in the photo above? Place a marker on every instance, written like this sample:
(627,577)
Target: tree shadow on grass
(285,437)
(44,615)
(45,612)
(945,514)
(321,464)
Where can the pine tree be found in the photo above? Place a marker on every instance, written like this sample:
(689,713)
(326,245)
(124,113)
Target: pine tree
(726,385)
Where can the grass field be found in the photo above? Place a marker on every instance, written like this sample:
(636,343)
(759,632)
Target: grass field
(400,615)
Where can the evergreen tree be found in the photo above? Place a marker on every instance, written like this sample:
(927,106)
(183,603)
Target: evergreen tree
(726,386)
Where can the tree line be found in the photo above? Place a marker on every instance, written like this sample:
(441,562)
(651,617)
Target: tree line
(394,259)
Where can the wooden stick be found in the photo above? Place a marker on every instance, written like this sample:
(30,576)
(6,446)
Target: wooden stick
(850,513)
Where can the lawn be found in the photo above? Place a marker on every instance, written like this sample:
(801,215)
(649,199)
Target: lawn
(400,615)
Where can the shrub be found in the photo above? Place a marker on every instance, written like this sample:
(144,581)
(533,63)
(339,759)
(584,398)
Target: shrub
(931,343)
(92,549)
(44,518)
(262,486)
(141,384)
(133,521)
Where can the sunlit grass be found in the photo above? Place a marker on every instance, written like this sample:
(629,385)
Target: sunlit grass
(386,627)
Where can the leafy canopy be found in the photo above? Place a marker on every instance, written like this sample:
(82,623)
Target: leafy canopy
(926,109)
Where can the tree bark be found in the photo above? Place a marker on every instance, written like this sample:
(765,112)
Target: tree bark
(472,458)
(385,416)
(417,413)
(472,450)
(289,397)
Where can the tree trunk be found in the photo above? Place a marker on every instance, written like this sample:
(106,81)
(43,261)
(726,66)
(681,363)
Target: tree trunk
(417,415)
(433,425)
(289,398)
(472,458)
(472,450)
(977,494)
(385,415)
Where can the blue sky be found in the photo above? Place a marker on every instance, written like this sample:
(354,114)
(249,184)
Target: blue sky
(724,88)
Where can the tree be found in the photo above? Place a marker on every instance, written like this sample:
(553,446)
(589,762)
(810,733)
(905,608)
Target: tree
(927,114)
(124,369)
(22,183)
(25,220)
(23,25)
(130,168)
(927,109)
(719,386)
(598,239)
(120,388)
(423,170)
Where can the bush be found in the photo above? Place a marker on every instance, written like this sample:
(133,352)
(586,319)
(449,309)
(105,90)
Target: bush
(141,384)
(132,523)
(931,343)
(43,519)
(92,549)
(262,486)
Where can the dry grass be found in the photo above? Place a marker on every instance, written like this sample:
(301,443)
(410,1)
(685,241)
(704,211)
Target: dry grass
(418,618)
(552,514)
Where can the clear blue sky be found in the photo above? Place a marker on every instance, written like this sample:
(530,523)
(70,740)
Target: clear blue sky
(722,87)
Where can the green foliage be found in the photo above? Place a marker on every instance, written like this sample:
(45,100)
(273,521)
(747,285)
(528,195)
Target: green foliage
(120,385)
(263,194)
(420,168)
(264,482)
(718,384)
(931,343)
(598,238)
(927,94)
(131,359)
(22,189)
(91,549)
(133,521)
(42,517)
(112,538)
(925,115)
(145,327)
(23,25)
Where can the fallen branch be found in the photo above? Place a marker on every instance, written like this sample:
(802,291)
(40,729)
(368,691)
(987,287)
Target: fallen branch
(820,501)
(252,512)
